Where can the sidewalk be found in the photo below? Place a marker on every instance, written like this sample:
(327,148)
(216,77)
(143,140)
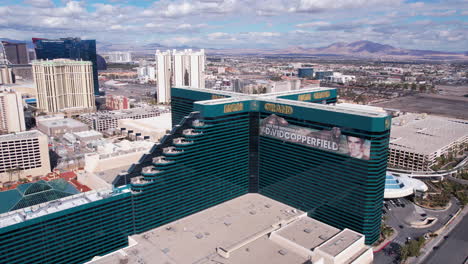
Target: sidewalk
(385,243)
(427,249)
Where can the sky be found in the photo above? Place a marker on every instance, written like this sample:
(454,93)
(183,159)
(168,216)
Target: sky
(434,25)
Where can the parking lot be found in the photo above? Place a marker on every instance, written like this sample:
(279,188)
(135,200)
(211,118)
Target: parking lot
(399,214)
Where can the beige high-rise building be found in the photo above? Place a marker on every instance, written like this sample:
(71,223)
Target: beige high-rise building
(23,154)
(179,69)
(164,65)
(11,112)
(64,86)
(5,75)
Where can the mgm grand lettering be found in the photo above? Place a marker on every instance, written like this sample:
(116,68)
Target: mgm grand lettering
(304,97)
(321,95)
(217,96)
(329,140)
(233,107)
(277,108)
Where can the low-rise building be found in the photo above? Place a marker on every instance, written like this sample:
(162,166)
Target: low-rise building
(23,154)
(109,159)
(152,128)
(417,140)
(115,102)
(57,125)
(102,121)
(248,229)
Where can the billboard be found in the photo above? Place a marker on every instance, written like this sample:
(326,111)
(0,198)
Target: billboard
(329,140)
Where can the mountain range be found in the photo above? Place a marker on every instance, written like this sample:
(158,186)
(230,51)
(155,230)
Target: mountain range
(357,49)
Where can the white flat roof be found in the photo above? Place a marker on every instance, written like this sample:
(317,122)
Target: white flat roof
(20,135)
(243,226)
(161,122)
(425,134)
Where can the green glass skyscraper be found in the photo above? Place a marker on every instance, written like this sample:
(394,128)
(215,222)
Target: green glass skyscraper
(295,147)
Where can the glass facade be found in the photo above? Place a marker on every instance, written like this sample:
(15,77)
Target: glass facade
(68,48)
(74,235)
(219,150)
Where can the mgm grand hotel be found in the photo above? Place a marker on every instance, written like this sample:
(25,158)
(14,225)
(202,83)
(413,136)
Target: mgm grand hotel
(288,177)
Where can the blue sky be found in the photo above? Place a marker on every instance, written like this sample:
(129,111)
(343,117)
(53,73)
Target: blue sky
(437,25)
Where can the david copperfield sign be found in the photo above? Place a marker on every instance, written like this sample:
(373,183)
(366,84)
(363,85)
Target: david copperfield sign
(329,140)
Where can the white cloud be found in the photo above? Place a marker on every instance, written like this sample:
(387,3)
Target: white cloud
(218,35)
(321,5)
(188,22)
(441,13)
(313,24)
(39,3)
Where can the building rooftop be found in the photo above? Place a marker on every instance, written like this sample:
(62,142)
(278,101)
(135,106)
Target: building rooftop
(52,206)
(122,113)
(68,122)
(340,242)
(89,133)
(249,229)
(20,135)
(425,134)
(162,122)
(29,194)
(60,62)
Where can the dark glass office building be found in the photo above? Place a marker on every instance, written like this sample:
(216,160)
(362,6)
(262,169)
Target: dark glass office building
(68,48)
(295,147)
(305,72)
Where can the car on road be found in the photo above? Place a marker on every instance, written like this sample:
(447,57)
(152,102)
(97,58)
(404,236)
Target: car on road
(401,226)
(423,215)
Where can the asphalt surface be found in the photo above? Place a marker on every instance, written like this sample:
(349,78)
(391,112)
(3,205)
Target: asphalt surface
(444,105)
(400,218)
(454,249)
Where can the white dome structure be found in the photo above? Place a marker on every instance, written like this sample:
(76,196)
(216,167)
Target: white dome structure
(402,186)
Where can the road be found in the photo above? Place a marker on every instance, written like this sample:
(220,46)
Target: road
(399,218)
(454,249)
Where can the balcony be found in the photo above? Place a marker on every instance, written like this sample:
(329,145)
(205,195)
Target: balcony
(149,171)
(161,161)
(140,180)
(171,151)
(180,142)
(191,132)
(198,124)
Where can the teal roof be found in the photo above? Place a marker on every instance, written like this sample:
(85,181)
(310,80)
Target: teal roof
(30,194)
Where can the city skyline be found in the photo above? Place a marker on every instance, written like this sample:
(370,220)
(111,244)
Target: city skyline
(435,25)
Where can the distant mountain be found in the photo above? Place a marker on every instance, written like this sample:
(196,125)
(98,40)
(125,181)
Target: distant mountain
(358,49)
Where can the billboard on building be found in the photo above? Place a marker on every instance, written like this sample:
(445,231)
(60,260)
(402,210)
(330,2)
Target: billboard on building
(329,140)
